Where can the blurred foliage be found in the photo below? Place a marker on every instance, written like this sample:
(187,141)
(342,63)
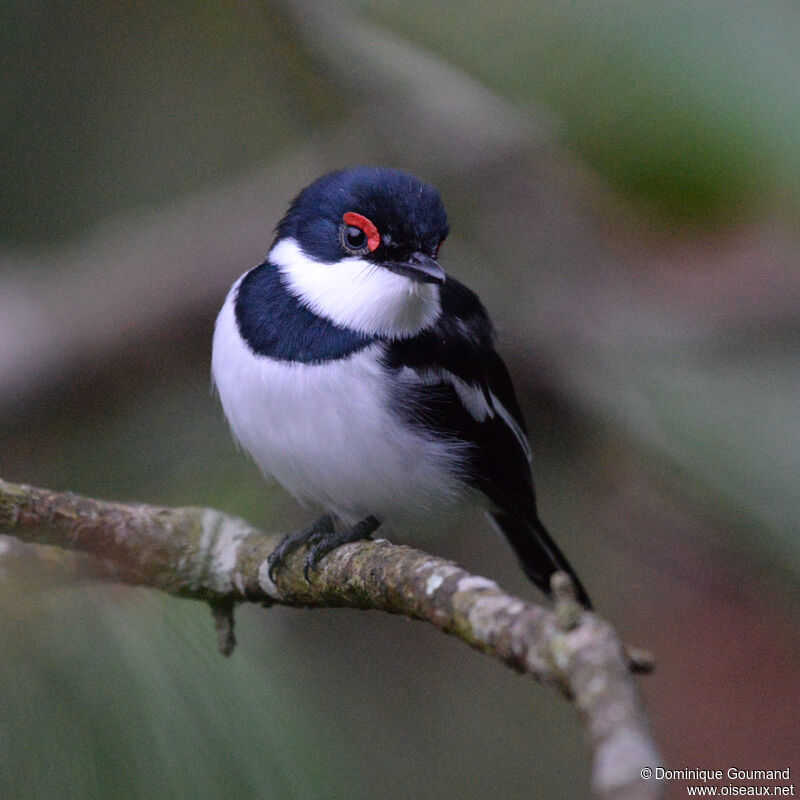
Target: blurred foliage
(110,106)
(692,106)
(135,705)
(667,448)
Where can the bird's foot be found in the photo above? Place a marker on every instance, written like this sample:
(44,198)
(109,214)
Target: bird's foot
(294,541)
(320,544)
(321,537)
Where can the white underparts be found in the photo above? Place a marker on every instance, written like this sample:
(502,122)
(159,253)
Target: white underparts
(358,294)
(328,433)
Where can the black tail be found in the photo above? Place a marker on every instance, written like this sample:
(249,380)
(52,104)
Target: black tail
(537,552)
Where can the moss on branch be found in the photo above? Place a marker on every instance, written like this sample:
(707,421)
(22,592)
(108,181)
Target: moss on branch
(205,554)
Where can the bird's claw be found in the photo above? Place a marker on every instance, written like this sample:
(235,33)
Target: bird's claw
(312,559)
(277,558)
(321,538)
(320,544)
(293,541)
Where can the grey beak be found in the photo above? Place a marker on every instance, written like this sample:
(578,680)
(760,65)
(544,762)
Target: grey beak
(418,267)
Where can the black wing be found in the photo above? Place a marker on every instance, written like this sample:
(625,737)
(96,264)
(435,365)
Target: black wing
(463,391)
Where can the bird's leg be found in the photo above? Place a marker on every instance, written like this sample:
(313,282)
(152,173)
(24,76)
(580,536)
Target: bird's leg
(293,541)
(321,543)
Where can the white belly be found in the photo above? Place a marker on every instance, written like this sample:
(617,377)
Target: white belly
(326,432)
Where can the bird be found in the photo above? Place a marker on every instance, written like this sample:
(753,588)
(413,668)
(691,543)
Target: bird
(366,381)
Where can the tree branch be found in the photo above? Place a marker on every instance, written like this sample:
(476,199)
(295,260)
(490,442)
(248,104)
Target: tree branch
(205,554)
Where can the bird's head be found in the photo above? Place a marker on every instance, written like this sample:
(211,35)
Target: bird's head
(359,247)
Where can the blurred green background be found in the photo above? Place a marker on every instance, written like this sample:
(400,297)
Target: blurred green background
(622,182)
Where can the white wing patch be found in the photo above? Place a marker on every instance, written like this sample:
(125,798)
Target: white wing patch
(515,428)
(473,399)
(471,396)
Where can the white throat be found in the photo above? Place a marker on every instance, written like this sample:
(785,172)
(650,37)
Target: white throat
(357,294)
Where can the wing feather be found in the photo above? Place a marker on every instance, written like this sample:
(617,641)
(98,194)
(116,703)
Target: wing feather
(457,386)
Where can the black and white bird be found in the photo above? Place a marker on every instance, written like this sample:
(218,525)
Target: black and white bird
(366,381)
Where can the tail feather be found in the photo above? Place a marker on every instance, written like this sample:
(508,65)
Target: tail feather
(538,554)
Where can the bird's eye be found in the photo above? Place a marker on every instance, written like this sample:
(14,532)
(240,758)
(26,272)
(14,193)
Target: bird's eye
(358,235)
(354,240)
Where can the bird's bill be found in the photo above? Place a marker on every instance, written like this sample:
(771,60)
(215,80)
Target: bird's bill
(419,267)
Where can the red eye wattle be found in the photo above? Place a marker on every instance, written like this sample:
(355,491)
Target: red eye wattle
(365,225)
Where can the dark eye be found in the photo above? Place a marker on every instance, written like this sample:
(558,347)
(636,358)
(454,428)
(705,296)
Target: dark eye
(358,235)
(354,240)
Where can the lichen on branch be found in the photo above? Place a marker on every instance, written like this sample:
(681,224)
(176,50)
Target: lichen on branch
(207,555)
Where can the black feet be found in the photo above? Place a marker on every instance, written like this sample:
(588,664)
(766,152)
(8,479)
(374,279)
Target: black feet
(321,537)
(293,541)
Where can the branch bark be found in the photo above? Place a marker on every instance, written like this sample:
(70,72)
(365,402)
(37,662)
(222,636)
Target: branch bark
(207,555)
